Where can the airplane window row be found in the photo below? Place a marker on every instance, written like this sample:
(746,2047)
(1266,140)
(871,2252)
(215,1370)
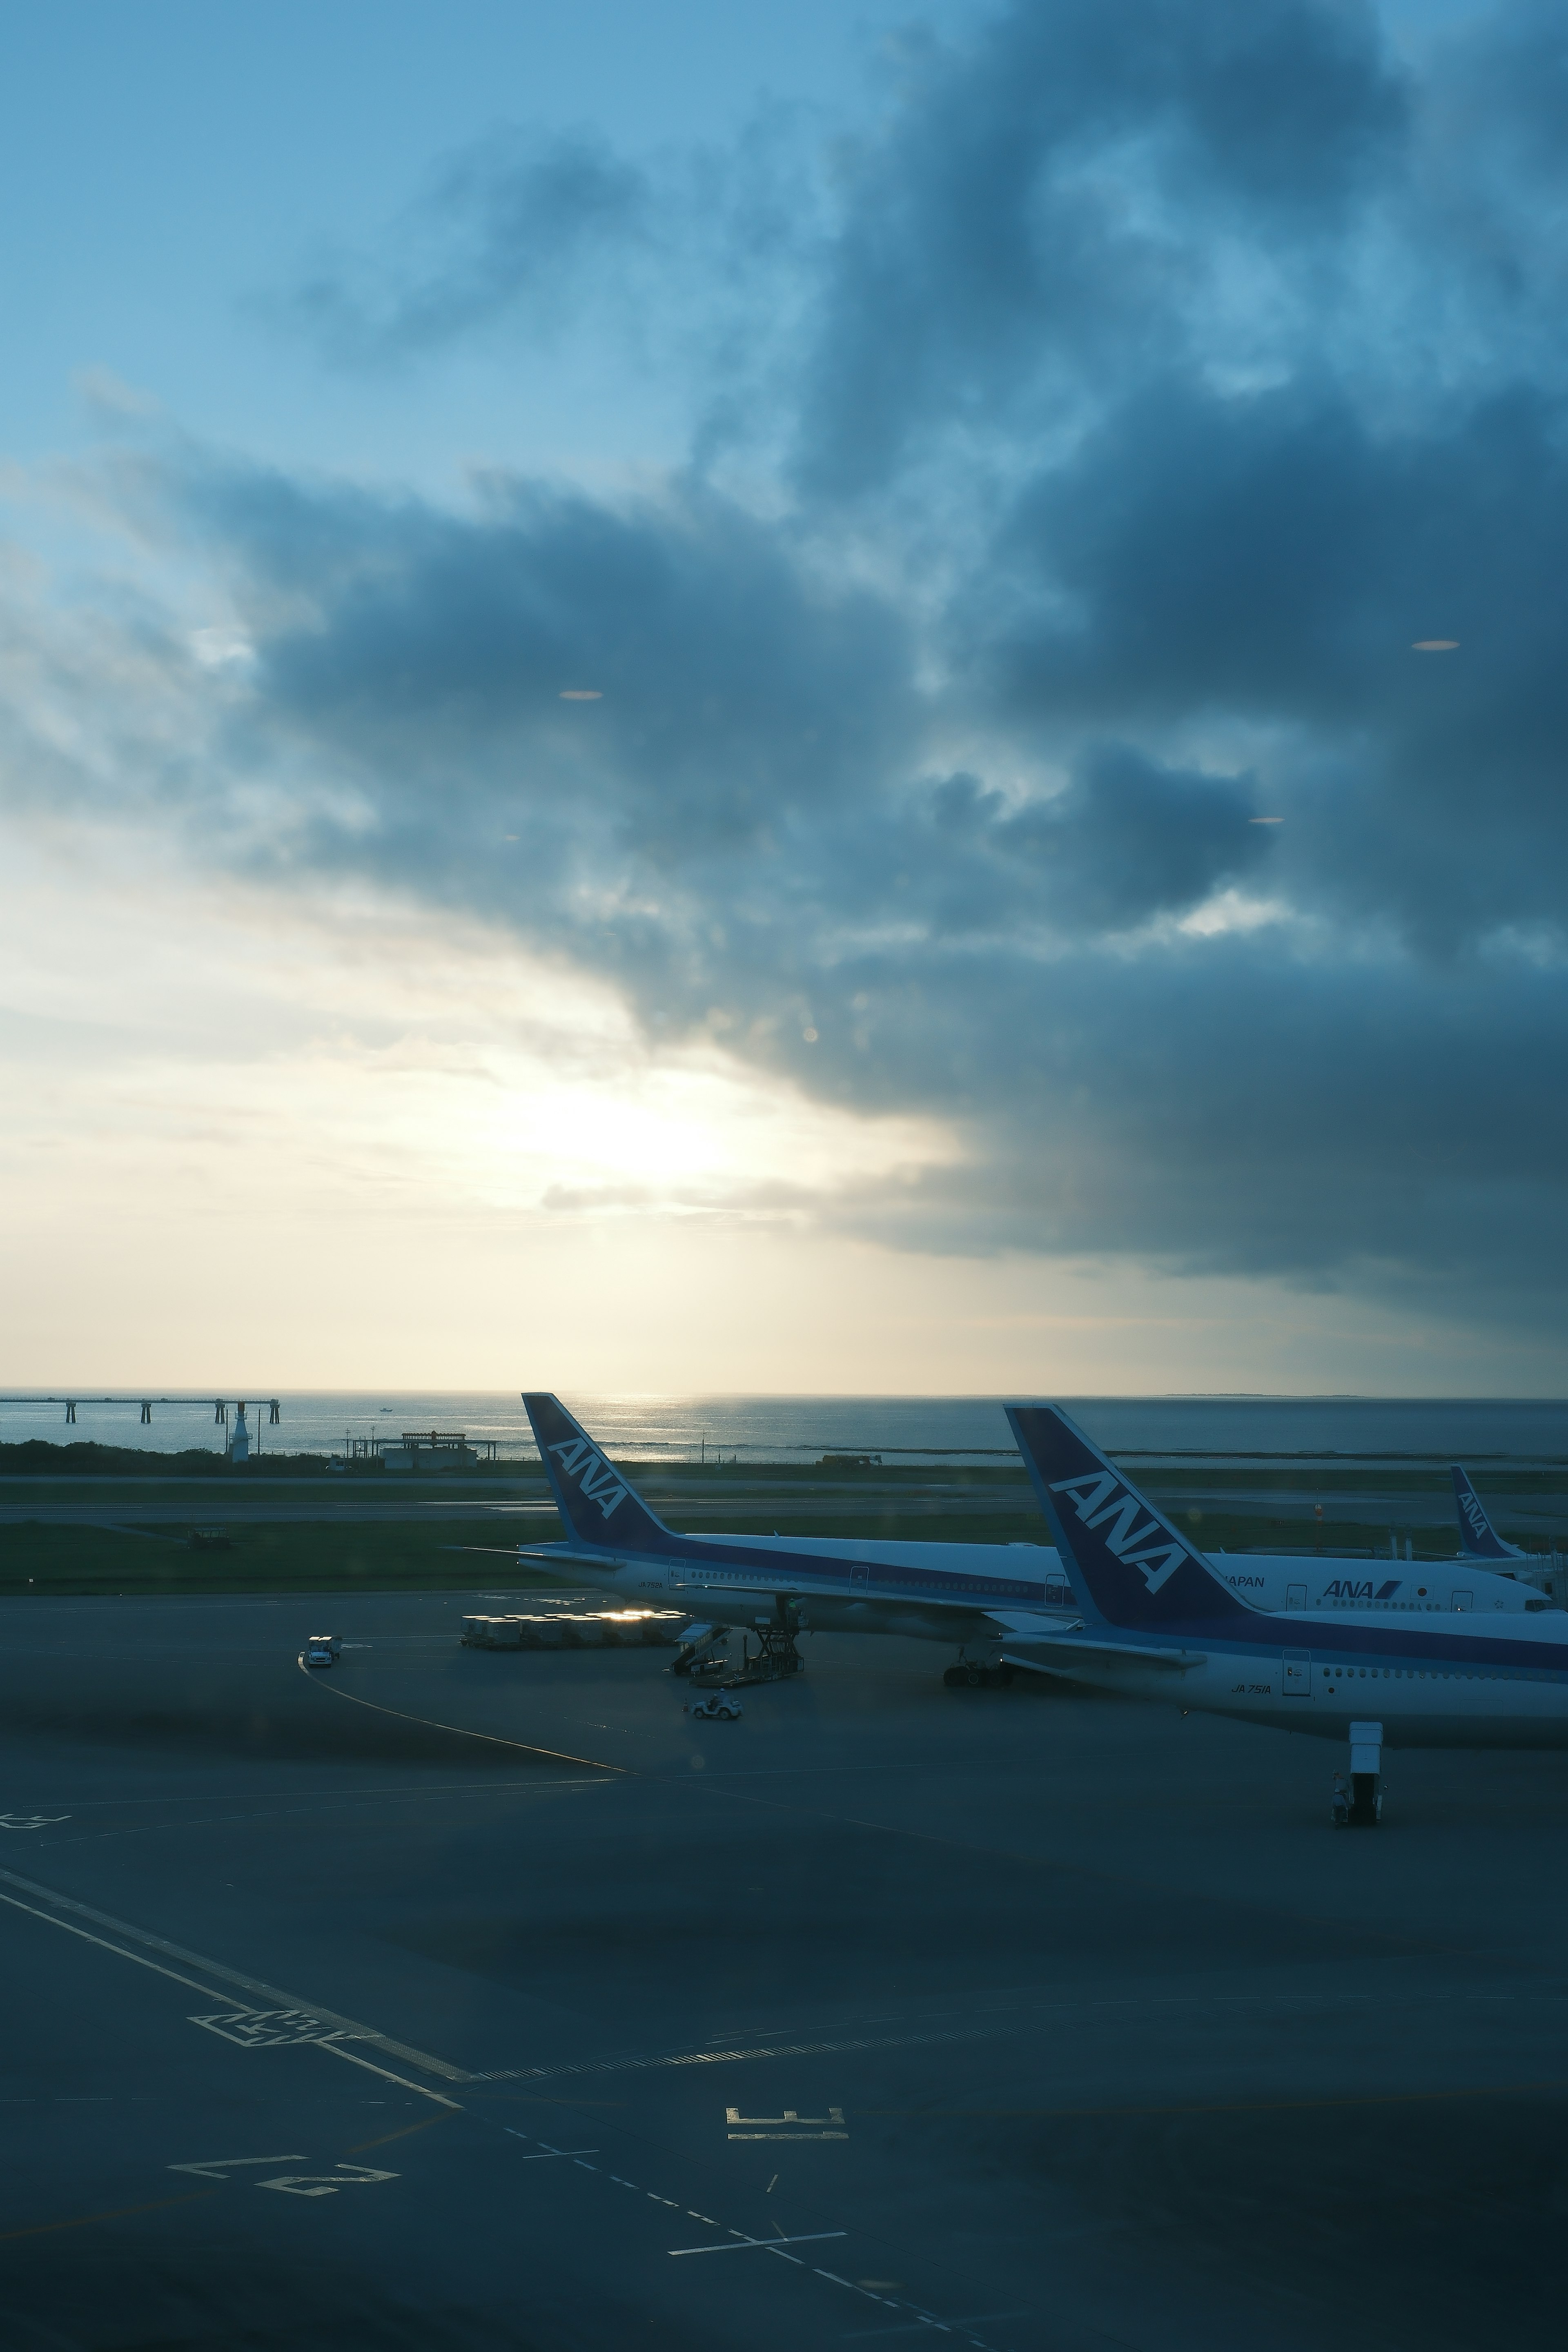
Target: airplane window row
(1434,1674)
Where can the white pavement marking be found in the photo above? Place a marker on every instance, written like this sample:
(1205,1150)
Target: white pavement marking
(104,1946)
(355,2176)
(266,2029)
(271,1997)
(742,2243)
(335,2050)
(218,2167)
(459,1731)
(767,2245)
(322,2041)
(31,1821)
(327,2184)
(793,2126)
(636,2062)
(283,2029)
(546,2151)
(1040,2015)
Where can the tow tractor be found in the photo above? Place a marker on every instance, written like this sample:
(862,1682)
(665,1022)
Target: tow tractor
(321,1649)
(714,1707)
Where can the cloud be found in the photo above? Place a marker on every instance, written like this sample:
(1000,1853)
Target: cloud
(685,260)
(1076,197)
(1128,840)
(518,223)
(1134,437)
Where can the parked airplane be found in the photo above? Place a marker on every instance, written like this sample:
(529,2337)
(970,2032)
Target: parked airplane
(1284,1580)
(1477,1533)
(977,1595)
(1158,1623)
(982,1596)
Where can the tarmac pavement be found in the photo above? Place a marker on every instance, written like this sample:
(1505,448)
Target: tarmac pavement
(460,1999)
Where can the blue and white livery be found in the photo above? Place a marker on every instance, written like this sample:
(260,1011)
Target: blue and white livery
(983,1596)
(1158,1623)
(1479,1538)
(979,1595)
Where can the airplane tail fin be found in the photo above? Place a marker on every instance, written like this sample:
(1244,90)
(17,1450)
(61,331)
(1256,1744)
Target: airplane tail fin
(601,1508)
(1479,1538)
(1126,1562)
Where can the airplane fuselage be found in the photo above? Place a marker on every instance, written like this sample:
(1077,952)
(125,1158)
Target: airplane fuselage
(947,1592)
(1475,1682)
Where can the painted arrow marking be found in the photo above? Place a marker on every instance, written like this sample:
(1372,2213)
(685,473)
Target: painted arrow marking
(327,2184)
(218,2167)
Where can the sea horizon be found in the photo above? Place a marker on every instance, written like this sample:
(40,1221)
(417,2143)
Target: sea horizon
(759,1426)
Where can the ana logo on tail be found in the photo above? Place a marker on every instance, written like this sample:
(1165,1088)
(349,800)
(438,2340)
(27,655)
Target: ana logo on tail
(1471,1505)
(596,1481)
(1098,1496)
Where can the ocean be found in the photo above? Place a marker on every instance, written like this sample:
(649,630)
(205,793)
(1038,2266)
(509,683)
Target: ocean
(915,1430)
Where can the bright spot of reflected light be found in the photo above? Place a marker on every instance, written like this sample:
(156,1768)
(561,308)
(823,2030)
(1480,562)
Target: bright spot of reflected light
(1264,820)
(581,694)
(1436,646)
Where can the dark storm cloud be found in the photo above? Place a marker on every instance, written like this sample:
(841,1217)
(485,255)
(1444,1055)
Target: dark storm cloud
(1274,562)
(1046,208)
(1132,839)
(735,698)
(1139,433)
(1125,841)
(1241,1111)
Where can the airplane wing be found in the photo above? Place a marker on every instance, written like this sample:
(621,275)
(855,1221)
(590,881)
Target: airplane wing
(563,1555)
(692,1579)
(1051,1654)
(1024,1624)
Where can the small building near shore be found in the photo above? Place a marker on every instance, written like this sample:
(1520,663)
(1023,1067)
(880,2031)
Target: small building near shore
(436,1449)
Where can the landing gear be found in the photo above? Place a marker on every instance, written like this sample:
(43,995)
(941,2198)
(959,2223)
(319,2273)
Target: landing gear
(1357,1800)
(966,1675)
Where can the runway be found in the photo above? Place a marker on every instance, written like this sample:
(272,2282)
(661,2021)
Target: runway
(915,1503)
(454,1998)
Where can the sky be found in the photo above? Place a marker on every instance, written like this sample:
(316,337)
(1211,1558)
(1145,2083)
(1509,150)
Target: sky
(853,699)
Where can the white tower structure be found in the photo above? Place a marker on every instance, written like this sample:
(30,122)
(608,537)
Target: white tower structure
(239,1444)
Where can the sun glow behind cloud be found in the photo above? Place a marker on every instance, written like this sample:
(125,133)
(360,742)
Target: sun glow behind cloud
(963,788)
(213,1092)
(336,1140)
